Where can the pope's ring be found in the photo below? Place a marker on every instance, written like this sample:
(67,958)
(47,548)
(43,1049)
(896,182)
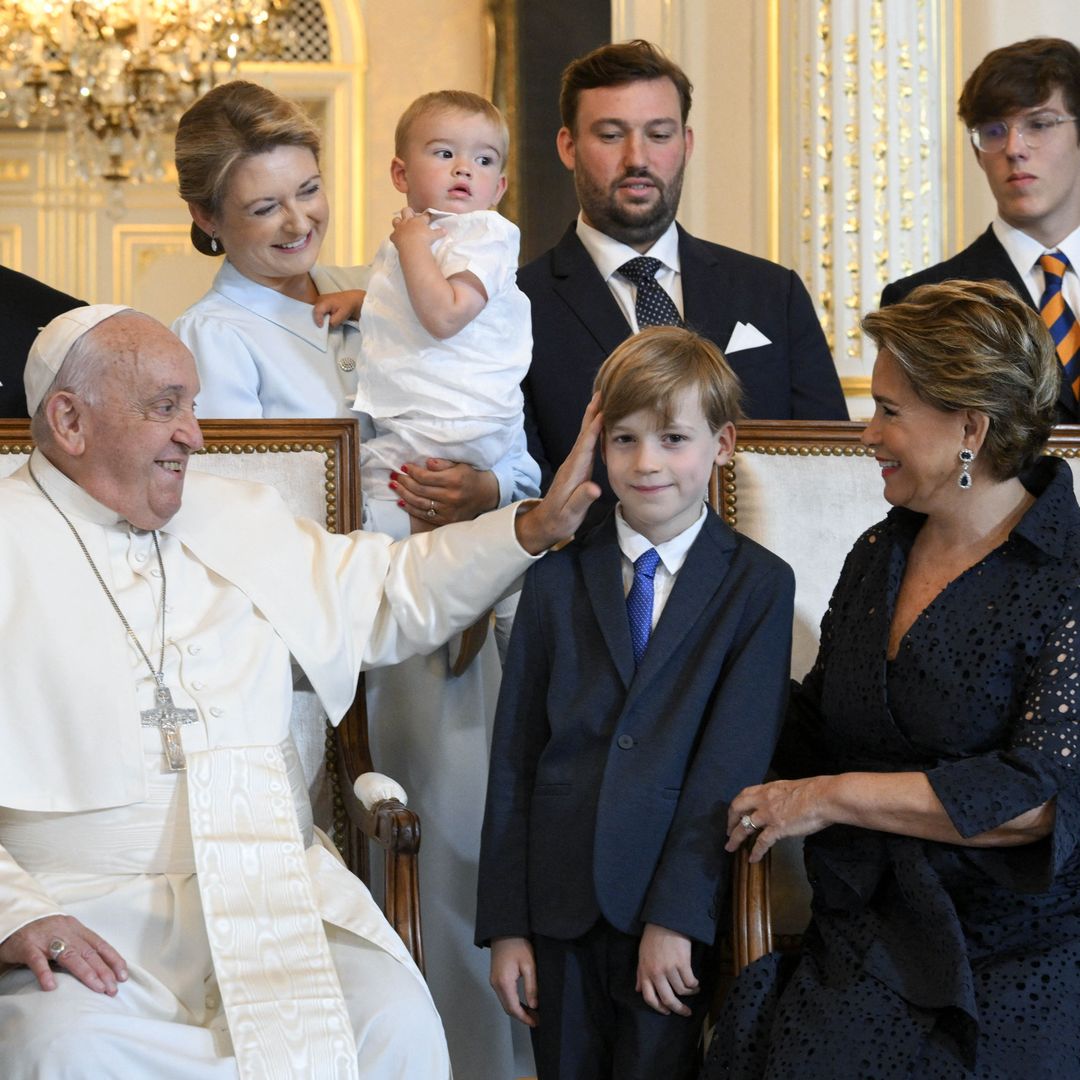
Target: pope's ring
(57,948)
(747,822)
(431,511)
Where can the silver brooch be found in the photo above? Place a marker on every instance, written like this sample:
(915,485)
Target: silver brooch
(346,363)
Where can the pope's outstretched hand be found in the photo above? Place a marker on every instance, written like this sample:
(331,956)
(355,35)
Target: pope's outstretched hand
(572,492)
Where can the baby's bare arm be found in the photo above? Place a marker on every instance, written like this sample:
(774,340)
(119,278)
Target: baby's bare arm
(444,306)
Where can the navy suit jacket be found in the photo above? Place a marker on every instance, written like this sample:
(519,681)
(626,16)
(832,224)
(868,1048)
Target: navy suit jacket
(26,306)
(577,323)
(608,790)
(984,260)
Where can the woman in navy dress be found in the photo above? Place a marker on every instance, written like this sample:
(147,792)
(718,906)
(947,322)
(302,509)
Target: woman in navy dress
(930,756)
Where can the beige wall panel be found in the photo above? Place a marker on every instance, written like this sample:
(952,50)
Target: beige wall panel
(413,46)
(155,269)
(10,245)
(721,44)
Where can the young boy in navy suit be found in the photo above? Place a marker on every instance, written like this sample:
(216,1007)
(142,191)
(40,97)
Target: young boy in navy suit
(645,684)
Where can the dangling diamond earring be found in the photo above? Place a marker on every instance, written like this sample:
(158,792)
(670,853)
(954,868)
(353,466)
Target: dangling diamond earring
(213,242)
(964,480)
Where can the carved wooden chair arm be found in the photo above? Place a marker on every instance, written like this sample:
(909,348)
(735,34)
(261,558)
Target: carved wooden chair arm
(396,829)
(391,825)
(751,922)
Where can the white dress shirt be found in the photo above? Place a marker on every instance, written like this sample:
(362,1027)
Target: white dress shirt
(672,554)
(1024,253)
(609,254)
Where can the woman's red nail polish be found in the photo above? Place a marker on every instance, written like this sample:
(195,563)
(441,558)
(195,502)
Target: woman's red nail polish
(405,469)
(393,486)
(401,503)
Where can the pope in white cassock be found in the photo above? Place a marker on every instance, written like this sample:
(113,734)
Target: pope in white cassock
(165,908)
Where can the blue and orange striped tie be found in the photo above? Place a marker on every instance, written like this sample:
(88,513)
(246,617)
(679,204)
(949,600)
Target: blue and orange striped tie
(1060,321)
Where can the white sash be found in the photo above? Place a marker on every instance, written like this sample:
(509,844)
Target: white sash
(279,987)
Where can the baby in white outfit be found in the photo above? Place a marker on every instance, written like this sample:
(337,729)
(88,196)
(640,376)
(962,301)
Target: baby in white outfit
(447,334)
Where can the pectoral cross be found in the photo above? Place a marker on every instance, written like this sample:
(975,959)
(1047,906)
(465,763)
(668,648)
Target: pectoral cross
(167,718)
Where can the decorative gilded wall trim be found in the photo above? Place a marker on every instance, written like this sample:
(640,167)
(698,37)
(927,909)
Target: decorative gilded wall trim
(860,161)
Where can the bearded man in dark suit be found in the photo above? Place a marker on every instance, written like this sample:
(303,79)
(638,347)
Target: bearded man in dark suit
(624,135)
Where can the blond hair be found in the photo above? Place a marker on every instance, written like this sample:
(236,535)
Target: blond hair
(443,101)
(977,345)
(652,368)
(230,123)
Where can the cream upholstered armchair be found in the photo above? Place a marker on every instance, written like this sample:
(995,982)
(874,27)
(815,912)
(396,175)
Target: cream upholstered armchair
(314,466)
(806,491)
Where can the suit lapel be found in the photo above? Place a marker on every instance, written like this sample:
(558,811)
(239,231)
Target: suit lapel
(601,568)
(706,282)
(579,284)
(993,261)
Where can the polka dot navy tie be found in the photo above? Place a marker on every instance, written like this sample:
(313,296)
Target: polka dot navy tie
(639,602)
(1060,321)
(652,305)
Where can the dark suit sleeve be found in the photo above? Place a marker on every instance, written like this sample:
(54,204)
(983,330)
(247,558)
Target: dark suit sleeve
(736,745)
(26,305)
(520,735)
(816,393)
(893,293)
(532,436)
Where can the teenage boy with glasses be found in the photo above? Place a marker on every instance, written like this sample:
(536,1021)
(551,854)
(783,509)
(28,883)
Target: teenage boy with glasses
(1020,106)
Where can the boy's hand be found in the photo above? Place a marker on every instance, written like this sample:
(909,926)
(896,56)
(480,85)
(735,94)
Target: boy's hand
(512,959)
(339,306)
(664,973)
(409,226)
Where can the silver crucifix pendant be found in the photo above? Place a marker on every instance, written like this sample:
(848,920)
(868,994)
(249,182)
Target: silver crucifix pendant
(167,718)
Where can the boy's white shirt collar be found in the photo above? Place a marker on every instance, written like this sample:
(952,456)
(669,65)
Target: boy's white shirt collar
(609,254)
(1024,252)
(672,552)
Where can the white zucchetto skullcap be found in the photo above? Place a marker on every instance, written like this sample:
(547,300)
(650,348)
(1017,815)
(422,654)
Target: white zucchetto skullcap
(52,345)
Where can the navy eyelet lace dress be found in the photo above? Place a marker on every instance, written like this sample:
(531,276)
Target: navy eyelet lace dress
(923,960)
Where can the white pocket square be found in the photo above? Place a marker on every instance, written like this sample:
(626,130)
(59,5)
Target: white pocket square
(745,336)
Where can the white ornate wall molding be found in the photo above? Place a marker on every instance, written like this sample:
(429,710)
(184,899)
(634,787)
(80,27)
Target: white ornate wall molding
(864,100)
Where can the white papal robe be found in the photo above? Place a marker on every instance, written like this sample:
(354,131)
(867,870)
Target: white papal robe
(92,822)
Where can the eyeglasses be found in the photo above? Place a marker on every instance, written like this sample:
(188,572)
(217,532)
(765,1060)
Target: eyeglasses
(1034,130)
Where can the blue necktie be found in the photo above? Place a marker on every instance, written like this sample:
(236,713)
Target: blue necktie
(639,602)
(652,305)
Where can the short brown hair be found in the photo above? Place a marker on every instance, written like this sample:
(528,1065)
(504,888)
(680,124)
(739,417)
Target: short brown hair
(650,369)
(439,101)
(977,345)
(234,121)
(614,65)
(1019,76)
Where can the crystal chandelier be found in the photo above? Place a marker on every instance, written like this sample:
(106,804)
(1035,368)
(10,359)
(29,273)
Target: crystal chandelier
(117,76)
